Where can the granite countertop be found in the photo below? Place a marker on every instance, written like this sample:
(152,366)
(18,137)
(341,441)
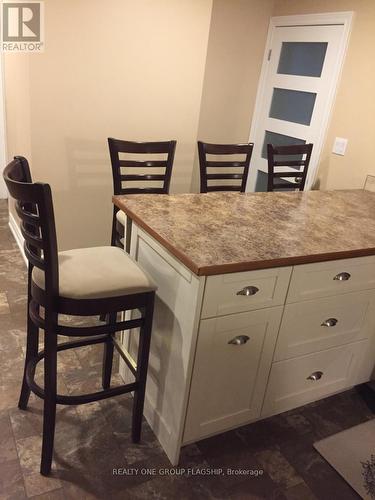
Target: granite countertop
(226,232)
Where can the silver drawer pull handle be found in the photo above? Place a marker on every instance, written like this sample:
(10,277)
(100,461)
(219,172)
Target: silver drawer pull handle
(248,290)
(315,376)
(330,322)
(239,340)
(342,277)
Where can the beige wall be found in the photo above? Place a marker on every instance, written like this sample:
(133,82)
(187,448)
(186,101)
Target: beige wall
(17,108)
(120,68)
(353,114)
(139,71)
(236,44)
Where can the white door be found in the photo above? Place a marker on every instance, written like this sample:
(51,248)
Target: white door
(296,92)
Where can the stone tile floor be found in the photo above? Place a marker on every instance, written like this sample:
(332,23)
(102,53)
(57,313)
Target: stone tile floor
(94,439)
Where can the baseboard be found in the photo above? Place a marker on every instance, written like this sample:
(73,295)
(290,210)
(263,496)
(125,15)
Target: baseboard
(15,229)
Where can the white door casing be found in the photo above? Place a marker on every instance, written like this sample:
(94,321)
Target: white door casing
(332,29)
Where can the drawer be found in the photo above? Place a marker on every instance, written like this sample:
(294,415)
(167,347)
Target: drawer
(238,292)
(324,323)
(229,378)
(331,278)
(291,383)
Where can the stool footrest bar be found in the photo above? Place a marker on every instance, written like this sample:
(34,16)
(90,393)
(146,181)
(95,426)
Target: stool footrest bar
(76,331)
(82,398)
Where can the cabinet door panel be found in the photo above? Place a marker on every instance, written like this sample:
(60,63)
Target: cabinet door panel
(320,324)
(295,382)
(335,277)
(240,292)
(229,379)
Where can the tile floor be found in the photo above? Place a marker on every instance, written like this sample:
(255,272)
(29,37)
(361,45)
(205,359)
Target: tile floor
(94,439)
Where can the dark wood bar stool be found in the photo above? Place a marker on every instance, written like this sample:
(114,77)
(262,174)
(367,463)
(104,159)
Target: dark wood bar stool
(122,181)
(227,166)
(82,282)
(296,156)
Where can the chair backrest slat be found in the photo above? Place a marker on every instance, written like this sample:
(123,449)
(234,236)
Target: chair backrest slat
(289,163)
(226,149)
(142,177)
(33,258)
(221,188)
(35,209)
(143,164)
(286,174)
(31,238)
(205,149)
(120,179)
(224,164)
(145,190)
(224,176)
(25,214)
(292,156)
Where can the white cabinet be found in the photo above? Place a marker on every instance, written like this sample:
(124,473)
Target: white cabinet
(298,381)
(319,350)
(246,291)
(335,277)
(323,344)
(320,324)
(299,335)
(232,363)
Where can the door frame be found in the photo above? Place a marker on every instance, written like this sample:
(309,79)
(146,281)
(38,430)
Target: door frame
(3,142)
(331,18)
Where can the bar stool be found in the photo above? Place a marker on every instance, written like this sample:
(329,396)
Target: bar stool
(295,156)
(83,282)
(118,147)
(205,149)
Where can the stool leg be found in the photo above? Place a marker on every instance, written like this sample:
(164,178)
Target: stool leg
(128,234)
(114,230)
(142,366)
(31,348)
(50,382)
(108,355)
(103,317)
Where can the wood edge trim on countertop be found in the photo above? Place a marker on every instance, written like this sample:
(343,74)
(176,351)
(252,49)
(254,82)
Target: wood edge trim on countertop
(241,266)
(174,251)
(284,262)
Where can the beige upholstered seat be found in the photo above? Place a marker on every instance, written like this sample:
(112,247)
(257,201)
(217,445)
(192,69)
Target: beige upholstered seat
(121,217)
(92,273)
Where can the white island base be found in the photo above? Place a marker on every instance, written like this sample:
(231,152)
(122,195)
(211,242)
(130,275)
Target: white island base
(220,359)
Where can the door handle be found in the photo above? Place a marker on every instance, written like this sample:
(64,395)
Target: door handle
(248,290)
(239,340)
(315,376)
(330,322)
(342,277)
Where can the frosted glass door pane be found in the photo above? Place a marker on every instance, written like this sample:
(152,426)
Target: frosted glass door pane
(292,105)
(302,58)
(280,140)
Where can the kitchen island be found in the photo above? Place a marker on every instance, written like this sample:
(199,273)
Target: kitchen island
(265,302)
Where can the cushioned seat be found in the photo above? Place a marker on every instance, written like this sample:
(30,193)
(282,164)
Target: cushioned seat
(93,273)
(121,217)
